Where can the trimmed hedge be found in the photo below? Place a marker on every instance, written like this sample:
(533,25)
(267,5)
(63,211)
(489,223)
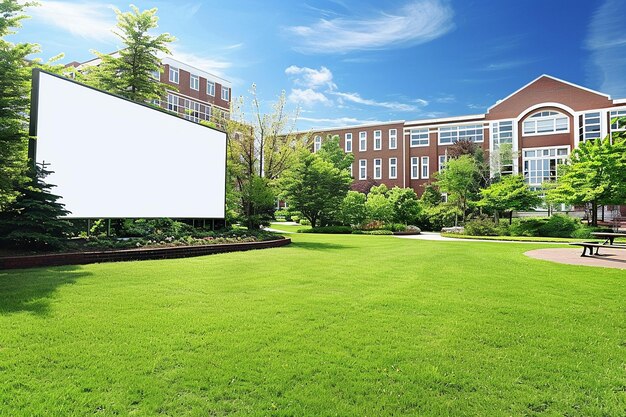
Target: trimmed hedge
(344,230)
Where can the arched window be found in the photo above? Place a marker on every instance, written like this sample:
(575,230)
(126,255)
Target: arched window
(317,145)
(546,122)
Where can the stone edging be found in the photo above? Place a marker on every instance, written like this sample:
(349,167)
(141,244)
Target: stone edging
(82,258)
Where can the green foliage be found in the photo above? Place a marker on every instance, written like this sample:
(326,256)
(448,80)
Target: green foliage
(15,76)
(595,175)
(379,190)
(32,220)
(557,225)
(130,74)
(481,227)
(332,152)
(460,181)
(260,200)
(353,211)
(508,194)
(406,207)
(305,222)
(328,230)
(379,207)
(315,187)
(380,232)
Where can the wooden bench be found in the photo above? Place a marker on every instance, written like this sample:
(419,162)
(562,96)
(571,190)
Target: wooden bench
(588,246)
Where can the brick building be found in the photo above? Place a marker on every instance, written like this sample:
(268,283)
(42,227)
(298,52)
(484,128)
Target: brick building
(541,123)
(196,94)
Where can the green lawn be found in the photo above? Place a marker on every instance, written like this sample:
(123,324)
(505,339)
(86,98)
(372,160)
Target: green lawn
(288,227)
(330,325)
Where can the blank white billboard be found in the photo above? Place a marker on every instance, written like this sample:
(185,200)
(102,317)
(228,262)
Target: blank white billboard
(113,158)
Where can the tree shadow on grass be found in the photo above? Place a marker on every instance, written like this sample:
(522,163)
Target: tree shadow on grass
(319,246)
(31,290)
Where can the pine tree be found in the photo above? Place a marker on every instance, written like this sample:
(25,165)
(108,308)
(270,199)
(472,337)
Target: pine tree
(131,74)
(33,219)
(15,75)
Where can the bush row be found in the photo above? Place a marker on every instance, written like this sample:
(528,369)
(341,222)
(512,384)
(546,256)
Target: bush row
(557,225)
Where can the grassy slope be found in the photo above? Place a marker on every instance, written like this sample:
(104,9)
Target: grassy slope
(331,325)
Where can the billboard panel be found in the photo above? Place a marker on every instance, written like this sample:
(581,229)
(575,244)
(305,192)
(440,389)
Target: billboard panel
(115,158)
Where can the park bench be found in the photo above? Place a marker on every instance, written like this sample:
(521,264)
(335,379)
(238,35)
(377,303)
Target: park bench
(589,246)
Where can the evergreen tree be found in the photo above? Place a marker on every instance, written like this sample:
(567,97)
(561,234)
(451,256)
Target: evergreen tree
(15,76)
(32,220)
(131,74)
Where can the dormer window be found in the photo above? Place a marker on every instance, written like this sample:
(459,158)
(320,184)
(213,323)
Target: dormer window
(545,123)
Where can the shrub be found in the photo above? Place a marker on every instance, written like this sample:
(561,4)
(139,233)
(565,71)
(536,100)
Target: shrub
(373,232)
(305,222)
(481,227)
(395,227)
(374,225)
(559,225)
(328,230)
(295,218)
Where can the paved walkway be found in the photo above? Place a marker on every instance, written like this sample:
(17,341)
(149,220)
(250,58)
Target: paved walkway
(608,258)
(437,236)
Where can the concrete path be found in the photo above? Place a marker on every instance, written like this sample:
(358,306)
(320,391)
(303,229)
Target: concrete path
(438,237)
(608,258)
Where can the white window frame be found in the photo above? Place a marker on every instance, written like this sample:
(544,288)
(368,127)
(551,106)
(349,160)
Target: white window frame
(415,168)
(348,142)
(551,116)
(194,82)
(174,75)
(425,168)
(192,110)
(393,168)
(417,138)
(443,160)
(560,159)
(362,169)
(362,141)
(351,171)
(156,74)
(378,168)
(501,132)
(378,140)
(393,138)
(225,93)
(173,102)
(210,88)
(460,132)
(317,143)
(617,127)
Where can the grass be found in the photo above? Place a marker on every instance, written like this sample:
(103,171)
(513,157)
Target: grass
(288,228)
(330,325)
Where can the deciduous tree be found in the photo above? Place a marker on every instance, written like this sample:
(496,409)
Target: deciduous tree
(458,180)
(508,194)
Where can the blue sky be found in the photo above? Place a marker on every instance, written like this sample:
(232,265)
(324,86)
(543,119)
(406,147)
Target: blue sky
(350,62)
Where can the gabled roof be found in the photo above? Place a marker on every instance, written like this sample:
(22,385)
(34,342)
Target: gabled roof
(553,78)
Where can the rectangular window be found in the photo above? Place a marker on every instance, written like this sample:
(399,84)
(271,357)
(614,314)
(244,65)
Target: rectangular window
(618,125)
(362,169)
(442,162)
(351,171)
(540,164)
(174,75)
(348,142)
(156,75)
(192,110)
(172,103)
(546,122)
(425,167)
(393,168)
(415,168)
(210,88)
(590,126)
(393,138)
(362,141)
(225,93)
(206,112)
(194,82)
(419,137)
(451,134)
(317,143)
(378,169)
(378,140)
(501,133)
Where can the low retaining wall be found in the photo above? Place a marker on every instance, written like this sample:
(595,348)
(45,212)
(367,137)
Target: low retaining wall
(82,258)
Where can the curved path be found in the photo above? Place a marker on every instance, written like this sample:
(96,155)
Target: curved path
(610,258)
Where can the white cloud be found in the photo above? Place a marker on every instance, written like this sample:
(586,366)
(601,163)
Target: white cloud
(507,65)
(445,99)
(88,20)
(391,105)
(338,121)
(310,77)
(417,22)
(210,64)
(607,42)
(307,97)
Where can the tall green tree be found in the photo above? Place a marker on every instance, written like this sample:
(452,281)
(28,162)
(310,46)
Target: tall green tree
(595,175)
(459,181)
(406,207)
(32,221)
(130,74)
(316,188)
(353,211)
(332,152)
(509,194)
(15,78)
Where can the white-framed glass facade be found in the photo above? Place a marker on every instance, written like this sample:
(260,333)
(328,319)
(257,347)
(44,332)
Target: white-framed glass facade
(540,164)
(348,142)
(378,140)
(425,167)
(590,126)
(451,134)
(194,82)
(317,143)
(378,168)
(362,141)
(210,88)
(393,138)
(415,168)
(419,137)
(393,168)
(545,123)
(174,75)
(362,169)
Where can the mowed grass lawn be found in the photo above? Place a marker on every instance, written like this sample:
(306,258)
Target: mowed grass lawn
(330,325)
